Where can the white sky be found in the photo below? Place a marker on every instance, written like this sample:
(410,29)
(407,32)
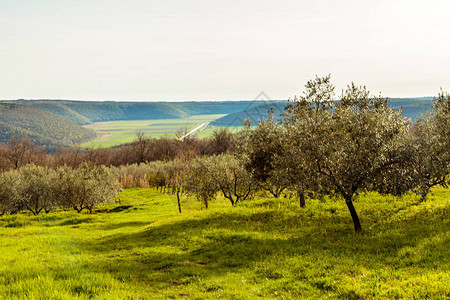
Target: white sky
(219,50)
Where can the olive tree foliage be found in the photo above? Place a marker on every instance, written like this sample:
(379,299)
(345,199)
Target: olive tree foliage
(9,185)
(229,174)
(351,144)
(431,141)
(223,173)
(177,172)
(268,161)
(199,181)
(37,188)
(86,187)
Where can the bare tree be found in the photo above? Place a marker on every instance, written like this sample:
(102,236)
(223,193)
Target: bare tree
(20,151)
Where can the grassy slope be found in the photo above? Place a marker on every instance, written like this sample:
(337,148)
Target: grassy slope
(144,249)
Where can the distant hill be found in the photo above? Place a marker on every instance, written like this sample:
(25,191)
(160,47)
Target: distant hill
(48,122)
(85,112)
(412,108)
(59,109)
(42,127)
(254,112)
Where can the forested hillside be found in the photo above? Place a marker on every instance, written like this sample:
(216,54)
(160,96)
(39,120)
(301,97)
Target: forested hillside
(255,113)
(59,109)
(40,126)
(412,107)
(85,112)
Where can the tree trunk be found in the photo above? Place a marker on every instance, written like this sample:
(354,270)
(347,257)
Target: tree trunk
(355,218)
(179,202)
(302,199)
(423,197)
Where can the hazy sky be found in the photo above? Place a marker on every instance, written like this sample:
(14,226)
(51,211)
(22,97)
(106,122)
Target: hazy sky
(219,50)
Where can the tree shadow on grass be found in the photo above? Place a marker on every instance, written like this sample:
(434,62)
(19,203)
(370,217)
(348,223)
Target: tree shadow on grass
(112,226)
(225,242)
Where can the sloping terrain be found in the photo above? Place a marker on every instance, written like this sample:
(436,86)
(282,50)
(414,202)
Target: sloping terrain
(143,248)
(85,112)
(42,127)
(256,113)
(59,109)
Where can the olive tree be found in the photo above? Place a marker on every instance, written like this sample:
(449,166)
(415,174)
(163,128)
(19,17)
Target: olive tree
(267,157)
(177,170)
(199,182)
(349,143)
(37,188)
(431,140)
(232,179)
(9,186)
(86,186)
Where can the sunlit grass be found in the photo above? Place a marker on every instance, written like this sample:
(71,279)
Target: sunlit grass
(142,248)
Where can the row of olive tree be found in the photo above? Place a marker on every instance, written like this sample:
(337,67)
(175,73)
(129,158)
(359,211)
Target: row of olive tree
(225,174)
(344,147)
(37,189)
(321,147)
(202,177)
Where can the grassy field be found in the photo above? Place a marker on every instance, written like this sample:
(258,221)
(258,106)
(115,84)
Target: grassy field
(120,132)
(143,248)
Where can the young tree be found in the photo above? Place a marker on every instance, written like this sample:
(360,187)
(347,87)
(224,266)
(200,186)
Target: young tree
(178,170)
(86,186)
(9,186)
(199,181)
(232,179)
(267,157)
(350,143)
(431,141)
(36,191)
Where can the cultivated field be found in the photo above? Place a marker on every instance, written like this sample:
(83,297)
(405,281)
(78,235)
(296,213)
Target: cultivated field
(120,132)
(143,248)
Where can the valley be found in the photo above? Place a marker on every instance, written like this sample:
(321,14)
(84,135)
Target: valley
(113,133)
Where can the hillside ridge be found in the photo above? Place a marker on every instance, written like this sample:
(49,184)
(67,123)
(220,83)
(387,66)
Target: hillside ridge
(42,127)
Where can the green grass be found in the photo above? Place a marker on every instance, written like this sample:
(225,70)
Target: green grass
(120,132)
(143,248)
